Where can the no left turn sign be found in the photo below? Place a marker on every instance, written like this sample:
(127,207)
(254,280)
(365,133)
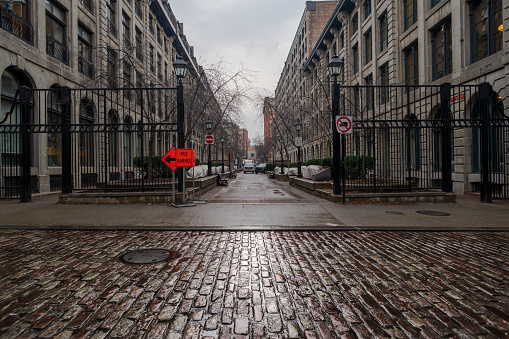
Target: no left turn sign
(344,124)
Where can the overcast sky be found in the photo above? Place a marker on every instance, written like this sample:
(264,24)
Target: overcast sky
(255,33)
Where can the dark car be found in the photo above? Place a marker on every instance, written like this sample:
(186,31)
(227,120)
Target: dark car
(260,168)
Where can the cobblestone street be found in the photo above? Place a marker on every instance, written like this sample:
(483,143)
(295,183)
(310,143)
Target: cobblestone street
(69,284)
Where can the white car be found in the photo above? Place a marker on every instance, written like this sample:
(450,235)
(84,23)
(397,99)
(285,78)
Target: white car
(249,167)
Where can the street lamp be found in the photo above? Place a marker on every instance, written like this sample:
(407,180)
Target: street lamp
(222,154)
(281,142)
(208,126)
(229,145)
(335,69)
(180,67)
(298,143)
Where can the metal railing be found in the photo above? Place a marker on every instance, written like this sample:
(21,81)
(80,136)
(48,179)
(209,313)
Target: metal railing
(57,50)
(16,25)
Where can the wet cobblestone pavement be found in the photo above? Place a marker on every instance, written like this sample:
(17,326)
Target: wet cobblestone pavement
(69,284)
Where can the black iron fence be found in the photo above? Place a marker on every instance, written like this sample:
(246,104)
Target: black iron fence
(87,140)
(425,137)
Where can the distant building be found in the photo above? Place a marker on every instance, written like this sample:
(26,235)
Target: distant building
(243,142)
(269,111)
(251,153)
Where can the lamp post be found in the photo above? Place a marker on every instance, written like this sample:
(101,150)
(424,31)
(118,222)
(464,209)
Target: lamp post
(335,68)
(208,126)
(222,154)
(180,67)
(273,158)
(281,142)
(298,143)
(229,145)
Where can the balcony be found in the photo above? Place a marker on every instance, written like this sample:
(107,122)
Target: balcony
(85,67)
(57,50)
(16,25)
(88,4)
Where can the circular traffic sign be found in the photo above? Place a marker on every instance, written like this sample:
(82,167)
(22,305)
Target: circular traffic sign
(344,124)
(209,139)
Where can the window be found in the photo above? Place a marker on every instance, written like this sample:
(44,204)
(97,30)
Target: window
(86,152)
(137,8)
(355,23)
(128,141)
(128,79)
(159,40)
(486,28)
(56,38)
(368,81)
(10,142)
(384,81)
(159,67)
(412,143)
(342,40)
(139,46)
(139,84)
(367,47)
(355,51)
(112,138)
(54,117)
(384,28)
(85,65)
(441,51)
(16,20)
(88,4)
(367,9)
(435,2)
(111,21)
(112,67)
(126,29)
(411,66)
(151,23)
(151,58)
(410,13)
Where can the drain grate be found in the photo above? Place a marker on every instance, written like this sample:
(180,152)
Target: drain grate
(393,212)
(434,213)
(146,256)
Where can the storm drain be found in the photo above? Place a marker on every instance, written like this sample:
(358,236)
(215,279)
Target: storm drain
(393,212)
(434,213)
(146,256)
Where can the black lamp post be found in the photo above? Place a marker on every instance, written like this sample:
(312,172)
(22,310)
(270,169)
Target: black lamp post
(281,142)
(298,142)
(180,67)
(222,154)
(273,157)
(335,68)
(229,144)
(208,126)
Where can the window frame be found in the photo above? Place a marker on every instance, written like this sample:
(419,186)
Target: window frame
(446,46)
(368,46)
(383,27)
(491,47)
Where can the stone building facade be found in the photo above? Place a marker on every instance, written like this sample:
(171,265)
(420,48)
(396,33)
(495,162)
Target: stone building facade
(405,42)
(89,44)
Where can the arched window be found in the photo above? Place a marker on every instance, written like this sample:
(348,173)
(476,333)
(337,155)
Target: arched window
(87,118)
(413,143)
(11,148)
(128,141)
(112,138)
(54,117)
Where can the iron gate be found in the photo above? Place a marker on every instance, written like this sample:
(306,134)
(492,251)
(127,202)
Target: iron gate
(87,140)
(425,137)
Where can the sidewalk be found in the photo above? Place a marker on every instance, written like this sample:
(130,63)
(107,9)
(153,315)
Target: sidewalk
(249,212)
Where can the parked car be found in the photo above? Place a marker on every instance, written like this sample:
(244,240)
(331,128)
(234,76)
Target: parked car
(249,167)
(260,168)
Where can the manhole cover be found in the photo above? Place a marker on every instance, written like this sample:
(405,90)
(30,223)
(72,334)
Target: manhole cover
(393,212)
(434,213)
(146,256)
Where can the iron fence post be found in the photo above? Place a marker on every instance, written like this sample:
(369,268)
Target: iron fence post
(484,101)
(447,154)
(65,97)
(25,188)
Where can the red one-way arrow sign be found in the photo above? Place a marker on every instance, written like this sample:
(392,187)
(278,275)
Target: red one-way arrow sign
(180,157)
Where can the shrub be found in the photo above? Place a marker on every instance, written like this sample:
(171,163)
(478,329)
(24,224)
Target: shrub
(357,166)
(269,167)
(317,162)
